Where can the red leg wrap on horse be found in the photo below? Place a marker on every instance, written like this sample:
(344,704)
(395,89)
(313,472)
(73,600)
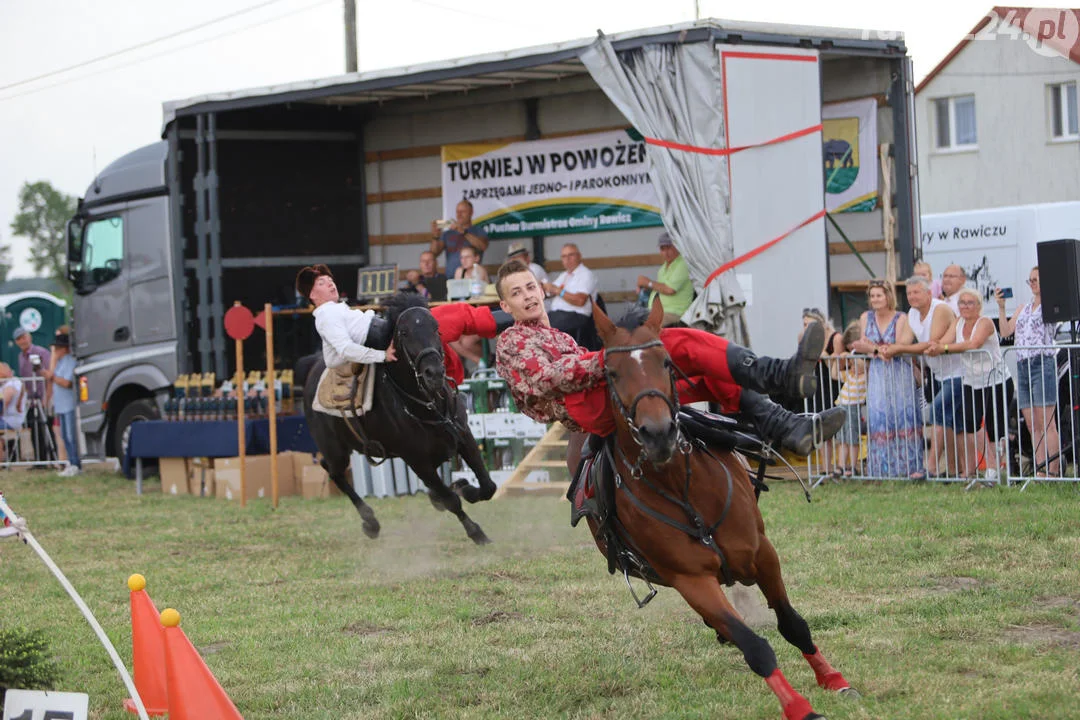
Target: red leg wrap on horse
(827,676)
(696,352)
(795,706)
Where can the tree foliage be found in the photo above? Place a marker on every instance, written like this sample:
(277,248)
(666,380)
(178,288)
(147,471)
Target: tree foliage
(42,219)
(25,661)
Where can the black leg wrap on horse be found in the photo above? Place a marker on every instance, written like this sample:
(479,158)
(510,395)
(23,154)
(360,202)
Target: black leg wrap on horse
(756,650)
(786,429)
(794,629)
(793,377)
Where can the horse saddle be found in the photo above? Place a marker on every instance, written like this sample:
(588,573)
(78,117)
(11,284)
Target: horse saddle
(345,391)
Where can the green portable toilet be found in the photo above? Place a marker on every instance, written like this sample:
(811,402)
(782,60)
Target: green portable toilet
(39,312)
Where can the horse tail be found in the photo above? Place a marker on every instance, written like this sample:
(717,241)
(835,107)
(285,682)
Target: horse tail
(303,369)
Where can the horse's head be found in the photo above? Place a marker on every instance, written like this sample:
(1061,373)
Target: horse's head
(642,383)
(416,340)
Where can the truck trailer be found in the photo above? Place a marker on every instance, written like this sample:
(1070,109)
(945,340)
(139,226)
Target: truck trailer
(247,186)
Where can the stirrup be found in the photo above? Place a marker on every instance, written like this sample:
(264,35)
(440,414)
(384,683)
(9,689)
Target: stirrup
(633,594)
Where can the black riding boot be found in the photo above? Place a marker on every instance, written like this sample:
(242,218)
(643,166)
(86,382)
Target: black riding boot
(793,377)
(784,428)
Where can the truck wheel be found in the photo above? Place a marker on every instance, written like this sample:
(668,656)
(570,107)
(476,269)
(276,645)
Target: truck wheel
(133,412)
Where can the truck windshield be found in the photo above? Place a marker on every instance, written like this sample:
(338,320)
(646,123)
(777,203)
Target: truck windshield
(96,255)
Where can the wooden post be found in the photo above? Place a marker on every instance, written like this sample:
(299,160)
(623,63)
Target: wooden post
(241,421)
(268,316)
(888,221)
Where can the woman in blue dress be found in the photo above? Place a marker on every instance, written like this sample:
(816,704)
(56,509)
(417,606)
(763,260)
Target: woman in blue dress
(895,428)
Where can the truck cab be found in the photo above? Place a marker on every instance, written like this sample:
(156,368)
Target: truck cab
(124,314)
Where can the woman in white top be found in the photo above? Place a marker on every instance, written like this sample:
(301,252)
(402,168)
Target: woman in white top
(1036,375)
(987,386)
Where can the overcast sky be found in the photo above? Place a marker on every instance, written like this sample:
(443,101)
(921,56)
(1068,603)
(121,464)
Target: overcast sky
(65,127)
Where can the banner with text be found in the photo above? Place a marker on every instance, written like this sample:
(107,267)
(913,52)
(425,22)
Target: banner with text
(582,183)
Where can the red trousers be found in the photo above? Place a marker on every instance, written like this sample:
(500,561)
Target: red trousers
(700,355)
(455,321)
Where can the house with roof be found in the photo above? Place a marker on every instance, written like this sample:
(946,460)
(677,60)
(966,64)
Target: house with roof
(998,119)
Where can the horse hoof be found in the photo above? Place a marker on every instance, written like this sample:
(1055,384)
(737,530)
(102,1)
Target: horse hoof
(371,523)
(850,694)
(436,503)
(479,537)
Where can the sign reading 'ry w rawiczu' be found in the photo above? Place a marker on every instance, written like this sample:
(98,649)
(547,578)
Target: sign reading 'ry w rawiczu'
(583,183)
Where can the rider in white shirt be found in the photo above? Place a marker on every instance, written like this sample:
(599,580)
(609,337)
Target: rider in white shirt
(343,331)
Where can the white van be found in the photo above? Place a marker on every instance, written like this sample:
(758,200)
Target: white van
(996,246)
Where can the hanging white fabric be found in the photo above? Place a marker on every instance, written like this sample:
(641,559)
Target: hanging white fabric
(674,92)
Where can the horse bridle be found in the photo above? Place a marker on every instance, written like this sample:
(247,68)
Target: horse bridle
(629,413)
(427,401)
(697,528)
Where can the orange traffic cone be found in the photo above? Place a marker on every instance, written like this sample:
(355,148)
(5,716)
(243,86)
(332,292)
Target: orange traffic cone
(194,693)
(147,650)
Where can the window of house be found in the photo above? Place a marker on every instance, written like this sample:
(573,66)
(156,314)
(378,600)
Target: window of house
(954,121)
(1064,124)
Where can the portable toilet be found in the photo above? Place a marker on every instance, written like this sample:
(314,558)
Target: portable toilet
(39,312)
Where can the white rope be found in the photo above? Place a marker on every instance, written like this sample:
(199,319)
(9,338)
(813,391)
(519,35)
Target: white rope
(28,538)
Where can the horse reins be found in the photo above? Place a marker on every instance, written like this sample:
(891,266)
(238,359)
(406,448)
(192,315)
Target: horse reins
(698,529)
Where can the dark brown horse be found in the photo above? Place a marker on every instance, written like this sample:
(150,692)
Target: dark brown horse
(691,513)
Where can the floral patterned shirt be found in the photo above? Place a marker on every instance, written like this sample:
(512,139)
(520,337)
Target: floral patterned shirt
(542,365)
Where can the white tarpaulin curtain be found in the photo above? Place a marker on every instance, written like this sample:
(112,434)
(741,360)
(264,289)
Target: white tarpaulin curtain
(674,92)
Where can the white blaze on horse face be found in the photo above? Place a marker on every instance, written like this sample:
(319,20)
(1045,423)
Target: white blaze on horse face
(636,356)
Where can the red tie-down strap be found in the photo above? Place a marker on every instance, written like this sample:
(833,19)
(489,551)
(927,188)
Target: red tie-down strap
(760,248)
(731,151)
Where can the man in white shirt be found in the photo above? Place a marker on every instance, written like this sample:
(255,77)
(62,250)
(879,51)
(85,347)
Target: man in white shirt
(572,294)
(930,320)
(14,407)
(343,331)
(520,251)
(952,282)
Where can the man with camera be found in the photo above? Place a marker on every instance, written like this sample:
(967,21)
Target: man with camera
(453,235)
(33,359)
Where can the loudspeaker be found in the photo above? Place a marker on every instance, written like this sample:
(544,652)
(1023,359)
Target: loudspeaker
(1059,279)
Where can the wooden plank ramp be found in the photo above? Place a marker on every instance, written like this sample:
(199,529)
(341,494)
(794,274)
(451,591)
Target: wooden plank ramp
(548,454)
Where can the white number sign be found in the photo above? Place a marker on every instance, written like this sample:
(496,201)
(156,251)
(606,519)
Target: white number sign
(36,705)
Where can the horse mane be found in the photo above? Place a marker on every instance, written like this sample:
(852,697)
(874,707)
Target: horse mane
(633,318)
(399,303)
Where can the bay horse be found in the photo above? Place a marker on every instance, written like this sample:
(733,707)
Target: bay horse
(415,416)
(690,512)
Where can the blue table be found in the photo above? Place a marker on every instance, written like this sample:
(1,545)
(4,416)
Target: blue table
(211,438)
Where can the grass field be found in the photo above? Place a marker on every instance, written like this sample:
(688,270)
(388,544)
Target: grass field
(935,603)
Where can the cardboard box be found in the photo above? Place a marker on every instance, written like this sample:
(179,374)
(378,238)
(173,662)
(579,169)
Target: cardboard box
(174,476)
(258,480)
(200,473)
(300,460)
(316,483)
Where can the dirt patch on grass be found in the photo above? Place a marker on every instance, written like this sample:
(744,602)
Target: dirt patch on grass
(1043,634)
(1055,602)
(212,648)
(949,584)
(366,629)
(497,616)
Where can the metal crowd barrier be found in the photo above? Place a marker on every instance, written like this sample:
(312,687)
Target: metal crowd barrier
(1043,448)
(34,443)
(906,430)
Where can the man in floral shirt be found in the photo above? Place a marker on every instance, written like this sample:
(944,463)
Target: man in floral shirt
(553,379)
